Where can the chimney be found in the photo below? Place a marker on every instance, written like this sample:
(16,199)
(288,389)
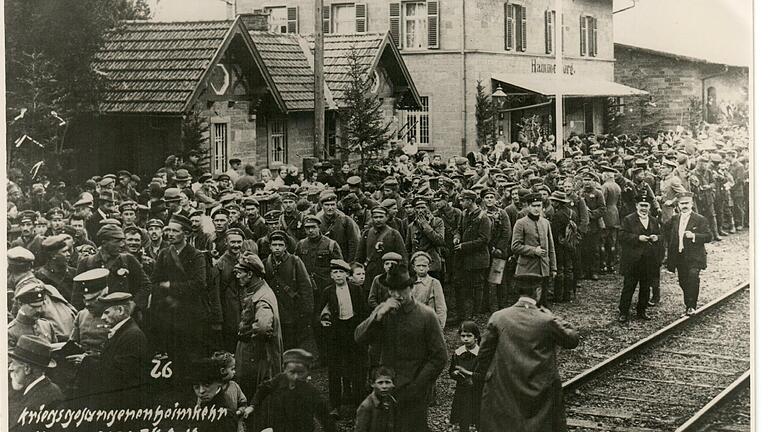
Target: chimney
(258,20)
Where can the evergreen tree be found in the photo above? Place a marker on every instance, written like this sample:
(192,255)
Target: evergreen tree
(485,117)
(364,132)
(50,47)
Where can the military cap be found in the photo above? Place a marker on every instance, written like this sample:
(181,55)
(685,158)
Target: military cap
(30,290)
(115,299)
(233,206)
(110,221)
(127,205)
(461,160)
(327,197)
(205,177)
(392,256)
(489,191)
(298,355)
(250,261)
(716,158)
(250,201)
(85,201)
(390,182)
(27,215)
(338,264)
(183,221)
(469,194)
(379,209)
(92,282)
(312,220)
(19,255)
(684,194)
(272,216)
(110,231)
(55,242)
(155,223)
(278,235)
(41,221)
(421,199)
(108,196)
(123,173)
(289,196)
(541,186)
(533,197)
(234,231)
(389,203)
(669,163)
(55,212)
(223,176)
(354,181)
(643,197)
(607,168)
(172,195)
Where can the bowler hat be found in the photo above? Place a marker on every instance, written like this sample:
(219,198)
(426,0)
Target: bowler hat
(33,350)
(397,278)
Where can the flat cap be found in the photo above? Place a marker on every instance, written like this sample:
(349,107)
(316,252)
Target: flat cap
(392,256)
(278,235)
(85,201)
(55,242)
(298,355)
(108,196)
(115,298)
(354,181)
(327,197)
(338,264)
(110,231)
(172,194)
(250,261)
(468,194)
(389,203)
(183,221)
(311,220)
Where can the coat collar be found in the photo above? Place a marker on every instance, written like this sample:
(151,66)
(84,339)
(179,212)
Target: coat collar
(462,349)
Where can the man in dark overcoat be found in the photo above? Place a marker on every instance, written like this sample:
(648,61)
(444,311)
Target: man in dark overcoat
(471,250)
(28,362)
(379,239)
(338,226)
(641,254)
(687,232)
(517,364)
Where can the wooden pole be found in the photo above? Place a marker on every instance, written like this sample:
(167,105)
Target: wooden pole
(319,144)
(559,114)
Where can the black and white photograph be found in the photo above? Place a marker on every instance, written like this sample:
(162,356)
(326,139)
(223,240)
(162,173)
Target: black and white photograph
(380,216)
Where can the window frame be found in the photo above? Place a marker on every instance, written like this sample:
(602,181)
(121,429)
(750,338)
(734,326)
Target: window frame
(282,132)
(335,7)
(422,25)
(219,162)
(422,132)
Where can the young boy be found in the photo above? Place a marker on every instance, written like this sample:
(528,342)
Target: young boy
(344,307)
(377,412)
(379,293)
(207,385)
(292,403)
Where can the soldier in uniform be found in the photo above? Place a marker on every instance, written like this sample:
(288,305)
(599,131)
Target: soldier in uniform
(220,219)
(470,246)
(565,282)
(427,234)
(288,277)
(28,239)
(228,287)
(338,226)
(126,272)
(591,241)
(291,218)
(263,244)
(29,322)
(722,210)
(379,239)
(253,219)
(498,246)
(56,270)
(106,209)
(156,241)
(612,195)
(57,219)
(451,218)
(128,218)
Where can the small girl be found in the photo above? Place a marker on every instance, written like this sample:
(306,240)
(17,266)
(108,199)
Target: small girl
(426,289)
(233,396)
(465,410)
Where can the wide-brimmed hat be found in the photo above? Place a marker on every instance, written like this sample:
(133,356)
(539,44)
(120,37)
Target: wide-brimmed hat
(33,350)
(559,196)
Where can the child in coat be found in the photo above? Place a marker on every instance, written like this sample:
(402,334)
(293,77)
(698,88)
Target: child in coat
(465,410)
(234,397)
(426,289)
(290,403)
(377,412)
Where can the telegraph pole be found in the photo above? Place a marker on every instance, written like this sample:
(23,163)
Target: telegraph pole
(559,114)
(319,144)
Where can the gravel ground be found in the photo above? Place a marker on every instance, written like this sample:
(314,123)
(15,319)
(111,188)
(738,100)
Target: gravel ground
(594,312)
(733,416)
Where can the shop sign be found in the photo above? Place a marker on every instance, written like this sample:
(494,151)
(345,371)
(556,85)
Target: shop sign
(551,68)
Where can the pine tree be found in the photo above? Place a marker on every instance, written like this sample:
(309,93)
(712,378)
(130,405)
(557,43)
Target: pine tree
(485,115)
(364,131)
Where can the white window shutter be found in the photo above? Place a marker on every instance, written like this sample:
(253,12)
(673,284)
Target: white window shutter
(433,24)
(361,17)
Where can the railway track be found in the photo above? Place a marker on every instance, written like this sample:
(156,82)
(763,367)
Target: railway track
(665,381)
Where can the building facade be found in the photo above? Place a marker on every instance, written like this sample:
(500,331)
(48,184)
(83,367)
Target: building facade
(683,89)
(449,45)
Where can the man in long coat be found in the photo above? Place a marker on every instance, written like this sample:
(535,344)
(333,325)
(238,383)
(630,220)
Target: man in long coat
(338,226)
(379,239)
(612,195)
(471,250)
(534,246)
(517,363)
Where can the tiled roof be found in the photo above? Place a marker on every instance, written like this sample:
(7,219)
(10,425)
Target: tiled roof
(155,67)
(336,48)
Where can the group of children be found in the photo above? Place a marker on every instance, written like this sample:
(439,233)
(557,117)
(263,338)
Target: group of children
(289,402)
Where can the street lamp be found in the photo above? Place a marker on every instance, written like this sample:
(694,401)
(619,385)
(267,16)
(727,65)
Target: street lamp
(499,97)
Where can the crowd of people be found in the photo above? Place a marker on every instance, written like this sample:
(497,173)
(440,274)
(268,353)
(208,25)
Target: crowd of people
(228,289)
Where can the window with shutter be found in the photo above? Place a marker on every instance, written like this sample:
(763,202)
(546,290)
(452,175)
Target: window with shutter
(509,26)
(594,37)
(394,22)
(523,40)
(361,17)
(433,24)
(583,35)
(415,28)
(277,22)
(293,19)
(547,34)
(326,19)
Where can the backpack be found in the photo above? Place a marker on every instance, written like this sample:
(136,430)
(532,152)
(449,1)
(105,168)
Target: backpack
(572,236)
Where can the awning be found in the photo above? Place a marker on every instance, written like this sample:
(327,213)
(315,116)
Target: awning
(569,86)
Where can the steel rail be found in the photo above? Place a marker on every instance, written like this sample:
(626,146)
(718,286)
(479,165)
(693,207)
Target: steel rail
(590,373)
(695,421)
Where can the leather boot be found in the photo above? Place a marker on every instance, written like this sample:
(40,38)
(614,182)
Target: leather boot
(558,289)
